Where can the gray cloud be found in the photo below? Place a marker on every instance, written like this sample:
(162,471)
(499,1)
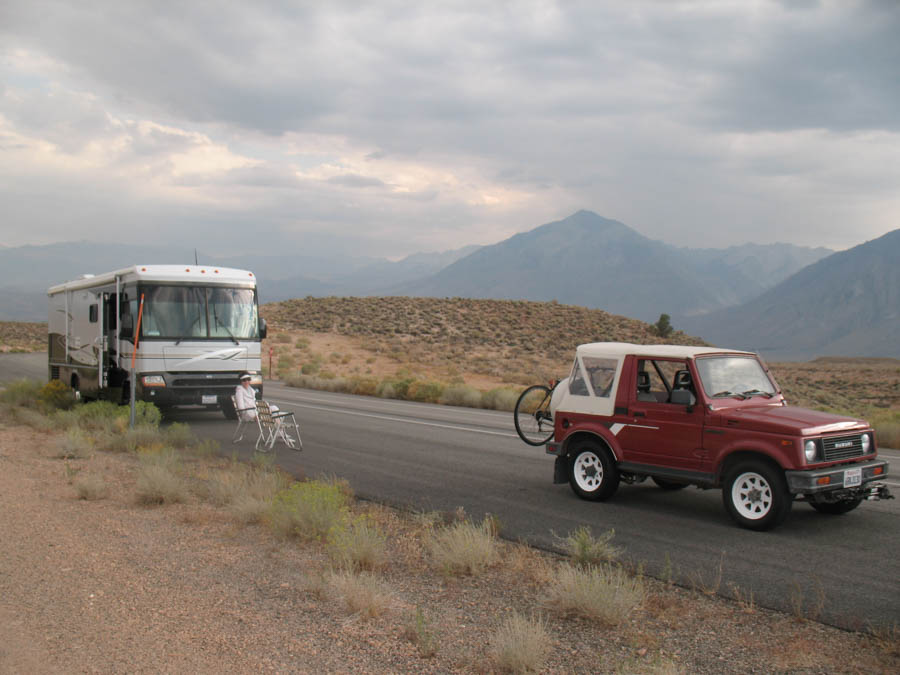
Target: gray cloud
(692,122)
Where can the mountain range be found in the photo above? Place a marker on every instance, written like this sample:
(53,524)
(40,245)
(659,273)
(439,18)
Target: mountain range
(750,296)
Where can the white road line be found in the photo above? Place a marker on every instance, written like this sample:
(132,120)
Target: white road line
(395,419)
(409,406)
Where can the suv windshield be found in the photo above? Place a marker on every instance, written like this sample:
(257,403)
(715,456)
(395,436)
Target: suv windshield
(734,376)
(198,312)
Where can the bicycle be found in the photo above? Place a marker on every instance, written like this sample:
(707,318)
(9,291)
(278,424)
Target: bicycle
(532,414)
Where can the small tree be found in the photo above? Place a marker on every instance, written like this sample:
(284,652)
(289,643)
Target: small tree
(663,327)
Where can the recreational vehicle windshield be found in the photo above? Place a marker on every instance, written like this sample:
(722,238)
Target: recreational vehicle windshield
(196,331)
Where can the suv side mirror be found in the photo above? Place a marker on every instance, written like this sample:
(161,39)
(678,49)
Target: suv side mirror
(263,328)
(683,397)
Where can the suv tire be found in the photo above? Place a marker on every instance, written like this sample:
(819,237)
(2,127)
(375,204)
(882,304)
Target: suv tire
(592,473)
(756,495)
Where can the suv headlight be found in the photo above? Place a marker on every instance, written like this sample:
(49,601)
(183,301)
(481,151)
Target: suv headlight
(866,443)
(153,381)
(810,450)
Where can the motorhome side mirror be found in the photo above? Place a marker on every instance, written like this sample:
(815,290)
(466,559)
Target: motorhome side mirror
(126,330)
(263,329)
(683,397)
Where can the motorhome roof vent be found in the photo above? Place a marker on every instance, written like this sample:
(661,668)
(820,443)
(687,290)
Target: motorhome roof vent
(87,276)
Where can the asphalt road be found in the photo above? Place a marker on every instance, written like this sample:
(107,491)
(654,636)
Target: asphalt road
(437,457)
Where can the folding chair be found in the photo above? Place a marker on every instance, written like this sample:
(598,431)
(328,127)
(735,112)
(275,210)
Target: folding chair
(242,420)
(274,425)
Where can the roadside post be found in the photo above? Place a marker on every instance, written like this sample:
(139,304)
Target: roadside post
(137,337)
(271,351)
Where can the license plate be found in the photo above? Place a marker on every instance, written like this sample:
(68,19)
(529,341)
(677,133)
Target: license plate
(209,399)
(852,477)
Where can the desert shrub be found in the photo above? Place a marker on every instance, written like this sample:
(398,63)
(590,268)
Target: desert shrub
(22,393)
(327,375)
(887,428)
(418,631)
(364,386)
(308,510)
(30,418)
(133,440)
(179,435)
(56,396)
(520,644)
(159,480)
(310,368)
(603,593)
(302,343)
(585,549)
(145,414)
(363,594)
(75,444)
(500,398)
(358,546)
(286,362)
(461,395)
(386,389)
(100,415)
(425,391)
(247,491)
(464,548)
(281,338)
(91,487)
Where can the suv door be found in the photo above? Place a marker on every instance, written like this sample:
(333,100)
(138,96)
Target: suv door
(659,432)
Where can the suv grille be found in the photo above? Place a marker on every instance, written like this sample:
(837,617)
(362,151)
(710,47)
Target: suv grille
(842,447)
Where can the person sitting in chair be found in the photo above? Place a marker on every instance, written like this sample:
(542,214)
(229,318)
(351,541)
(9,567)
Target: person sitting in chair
(245,399)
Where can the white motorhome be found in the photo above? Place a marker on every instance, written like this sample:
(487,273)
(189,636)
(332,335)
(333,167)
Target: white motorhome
(199,330)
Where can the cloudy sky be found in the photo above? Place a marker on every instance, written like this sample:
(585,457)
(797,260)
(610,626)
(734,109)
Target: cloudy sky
(386,127)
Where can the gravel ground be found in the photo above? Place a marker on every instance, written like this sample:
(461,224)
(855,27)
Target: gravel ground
(110,586)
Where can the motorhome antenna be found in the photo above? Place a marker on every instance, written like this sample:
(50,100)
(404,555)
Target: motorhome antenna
(195,257)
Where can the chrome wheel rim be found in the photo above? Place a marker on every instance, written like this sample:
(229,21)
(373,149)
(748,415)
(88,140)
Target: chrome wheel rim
(751,495)
(588,471)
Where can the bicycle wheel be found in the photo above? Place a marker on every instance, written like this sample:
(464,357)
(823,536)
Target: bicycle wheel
(534,421)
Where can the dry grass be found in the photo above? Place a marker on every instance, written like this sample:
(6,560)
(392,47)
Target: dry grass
(464,548)
(418,630)
(246,491)
(91,487)
(358,546)
(363,594)
(520,644)
(606,594)
(76,444)
(159,480)
(308,510)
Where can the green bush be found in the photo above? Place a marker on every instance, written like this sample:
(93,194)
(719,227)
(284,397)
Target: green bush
(74,445)
(310,368)
(281,338)
(308,510)
(56,396)
(424,391)
(364,386)
(22,393)
(585,549)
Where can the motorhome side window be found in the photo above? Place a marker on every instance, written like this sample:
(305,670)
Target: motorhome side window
(93,314)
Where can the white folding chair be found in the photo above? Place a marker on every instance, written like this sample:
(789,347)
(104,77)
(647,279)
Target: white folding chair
(243,420)
(276,424)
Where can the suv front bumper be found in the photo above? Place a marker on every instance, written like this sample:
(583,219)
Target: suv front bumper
(829,479)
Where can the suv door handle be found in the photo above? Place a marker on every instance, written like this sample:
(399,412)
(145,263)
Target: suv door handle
(638,413)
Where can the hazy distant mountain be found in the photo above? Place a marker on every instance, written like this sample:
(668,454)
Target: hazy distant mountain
(29,270)
(847,304)
(744,272)
(589,260)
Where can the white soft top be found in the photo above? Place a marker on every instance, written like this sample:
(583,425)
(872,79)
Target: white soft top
(200,274)
(617,350)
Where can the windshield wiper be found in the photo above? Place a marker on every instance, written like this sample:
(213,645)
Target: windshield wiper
(219,323)
(726,393)
(757,392)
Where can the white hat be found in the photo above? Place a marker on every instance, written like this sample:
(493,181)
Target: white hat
(245,376)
